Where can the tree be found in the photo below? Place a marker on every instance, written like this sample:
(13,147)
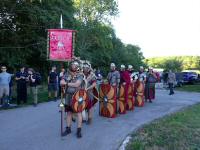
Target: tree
(24,24)
(173,64)
(23,33)
(95,10)
(177,62)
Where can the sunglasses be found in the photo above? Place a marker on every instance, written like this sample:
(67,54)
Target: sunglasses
(3,68)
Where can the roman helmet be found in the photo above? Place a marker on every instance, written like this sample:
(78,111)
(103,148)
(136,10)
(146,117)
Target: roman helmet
(75,65)
(130,67)
(86,66)
(122,67)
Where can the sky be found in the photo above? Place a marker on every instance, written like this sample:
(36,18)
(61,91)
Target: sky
(160,27)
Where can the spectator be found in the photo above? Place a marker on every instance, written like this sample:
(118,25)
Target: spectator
(165,76)
(171,80)
(21,78)
(33,86)
(53,83)
(5,79)
(11,88)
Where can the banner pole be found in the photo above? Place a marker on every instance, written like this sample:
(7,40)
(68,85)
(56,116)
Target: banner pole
(62,94)
(61,22)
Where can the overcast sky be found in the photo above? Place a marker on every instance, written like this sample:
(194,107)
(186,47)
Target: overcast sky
(160,27)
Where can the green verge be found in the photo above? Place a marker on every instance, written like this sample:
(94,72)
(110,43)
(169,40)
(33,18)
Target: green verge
(42,95)
(179,131)
(189,88)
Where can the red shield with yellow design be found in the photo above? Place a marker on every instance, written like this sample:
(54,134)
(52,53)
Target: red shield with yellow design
(122,100)
(140,94)
(80,100)
(96,96)
(108,104)
(95,99)
(131,98)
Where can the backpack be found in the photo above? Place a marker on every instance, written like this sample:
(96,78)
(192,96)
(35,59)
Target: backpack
(38,79)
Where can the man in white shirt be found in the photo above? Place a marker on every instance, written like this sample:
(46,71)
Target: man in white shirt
(4,86)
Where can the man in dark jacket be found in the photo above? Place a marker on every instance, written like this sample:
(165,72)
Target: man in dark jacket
(21,78)
(33,86)
(53,83)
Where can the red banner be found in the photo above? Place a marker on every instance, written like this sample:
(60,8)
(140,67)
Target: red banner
(60,45)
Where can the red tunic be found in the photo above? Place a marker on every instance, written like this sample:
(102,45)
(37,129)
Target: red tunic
(125,77)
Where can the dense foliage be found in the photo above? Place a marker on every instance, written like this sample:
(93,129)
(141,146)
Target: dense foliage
(176,63)
(23,32)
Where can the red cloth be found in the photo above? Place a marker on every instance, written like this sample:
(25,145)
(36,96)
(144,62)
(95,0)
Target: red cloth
(125,77)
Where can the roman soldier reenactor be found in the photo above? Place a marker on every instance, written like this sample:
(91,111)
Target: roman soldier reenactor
(131,89)
(108,94)
(113,76)
(130,70)
(73,80)
(125,81)
(134,78)
(90,87)
(140,86)
(142,74)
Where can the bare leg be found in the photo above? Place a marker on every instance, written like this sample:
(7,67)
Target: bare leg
(90,114)
(49,94)
(79,120)
(69,119)
(55,94)
(79,135)
(73,117)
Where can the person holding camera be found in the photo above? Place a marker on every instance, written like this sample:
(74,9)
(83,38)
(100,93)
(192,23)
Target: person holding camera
(21,78)
(33,86)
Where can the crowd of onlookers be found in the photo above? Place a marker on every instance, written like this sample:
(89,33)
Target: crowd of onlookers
(28,79)
(25,78)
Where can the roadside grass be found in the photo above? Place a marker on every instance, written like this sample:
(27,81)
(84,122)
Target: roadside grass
(42,95)
(189,88)
(179,131)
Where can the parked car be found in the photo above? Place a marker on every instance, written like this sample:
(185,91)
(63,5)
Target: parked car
(190,77)
(198,79)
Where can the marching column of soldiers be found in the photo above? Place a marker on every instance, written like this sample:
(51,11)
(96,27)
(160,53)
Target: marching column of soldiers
(118,94)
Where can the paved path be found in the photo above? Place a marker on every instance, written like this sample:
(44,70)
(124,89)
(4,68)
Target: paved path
(38,128)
